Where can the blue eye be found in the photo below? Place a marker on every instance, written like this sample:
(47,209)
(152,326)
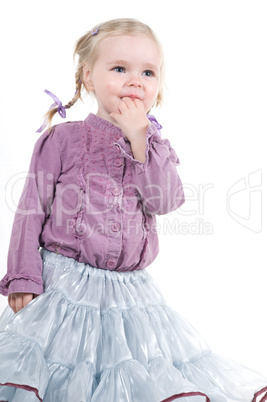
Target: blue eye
(148,73)
(119,69)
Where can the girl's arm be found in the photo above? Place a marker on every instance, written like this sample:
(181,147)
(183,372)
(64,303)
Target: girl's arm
(156,180)
(24,265)
(154,161)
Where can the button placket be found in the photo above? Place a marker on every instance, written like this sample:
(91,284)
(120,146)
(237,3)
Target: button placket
(116,191)
(115,226)
(111,263)
(115,165)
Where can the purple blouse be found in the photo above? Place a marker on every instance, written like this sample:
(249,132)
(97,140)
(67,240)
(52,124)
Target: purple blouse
(87,198)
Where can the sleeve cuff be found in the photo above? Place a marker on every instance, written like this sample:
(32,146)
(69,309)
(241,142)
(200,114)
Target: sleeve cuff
(21,285)
(124,146)
(161,147)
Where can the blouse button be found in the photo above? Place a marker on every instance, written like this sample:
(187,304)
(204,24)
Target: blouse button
(115,227)
(111,263)
(117,162)
(116,191)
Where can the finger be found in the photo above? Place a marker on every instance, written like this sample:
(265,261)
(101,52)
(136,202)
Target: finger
(18,303)
(129,102)
(11,302)
(27,298)
(124,104)
(139,104)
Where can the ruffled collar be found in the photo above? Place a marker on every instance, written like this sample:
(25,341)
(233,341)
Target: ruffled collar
(101,124)
(104,125)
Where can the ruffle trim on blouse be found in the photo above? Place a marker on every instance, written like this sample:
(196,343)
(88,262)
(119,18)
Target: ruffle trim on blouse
(79,216)
(153,142)
(101,124)
(7,279)
(125,147)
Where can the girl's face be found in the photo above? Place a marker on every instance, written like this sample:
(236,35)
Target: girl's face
(125,66)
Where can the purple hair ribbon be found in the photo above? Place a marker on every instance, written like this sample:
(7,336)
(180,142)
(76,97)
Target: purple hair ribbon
(61,109)
(153,120)
(96,31)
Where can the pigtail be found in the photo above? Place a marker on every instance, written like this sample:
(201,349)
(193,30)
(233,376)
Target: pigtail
(78,92)
(57,107)
(48,118)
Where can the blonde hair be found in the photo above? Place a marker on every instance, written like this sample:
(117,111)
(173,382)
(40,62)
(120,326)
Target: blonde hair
(86,50)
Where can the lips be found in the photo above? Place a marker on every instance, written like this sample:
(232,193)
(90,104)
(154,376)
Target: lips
(132,96)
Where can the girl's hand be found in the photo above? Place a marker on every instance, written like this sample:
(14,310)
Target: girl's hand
(19,300)
(131,118)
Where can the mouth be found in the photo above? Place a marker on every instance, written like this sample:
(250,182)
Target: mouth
(131,96)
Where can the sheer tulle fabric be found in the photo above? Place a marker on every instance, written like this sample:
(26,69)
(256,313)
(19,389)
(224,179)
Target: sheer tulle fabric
(96,335)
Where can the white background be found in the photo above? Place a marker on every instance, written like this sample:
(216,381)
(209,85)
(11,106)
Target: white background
(214,116)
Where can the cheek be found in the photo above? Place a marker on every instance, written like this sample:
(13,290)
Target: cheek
(113,86)
(153,94)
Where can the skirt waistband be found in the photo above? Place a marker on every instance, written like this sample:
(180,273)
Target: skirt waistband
(100,289)
(70,264)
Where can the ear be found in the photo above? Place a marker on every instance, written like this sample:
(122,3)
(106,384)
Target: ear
(87,78)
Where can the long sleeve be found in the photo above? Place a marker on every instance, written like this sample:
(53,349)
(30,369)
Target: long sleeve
(156,180)
(24,264)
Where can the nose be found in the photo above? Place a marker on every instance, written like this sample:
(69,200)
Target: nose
(135,82)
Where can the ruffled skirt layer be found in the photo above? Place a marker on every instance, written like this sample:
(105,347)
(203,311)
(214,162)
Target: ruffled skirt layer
(104,336)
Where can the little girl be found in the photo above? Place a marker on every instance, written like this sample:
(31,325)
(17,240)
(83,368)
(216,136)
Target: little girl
(86,321)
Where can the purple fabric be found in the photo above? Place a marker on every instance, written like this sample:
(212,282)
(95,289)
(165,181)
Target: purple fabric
(61,109)
(153,120)
(96,31)
(86,197)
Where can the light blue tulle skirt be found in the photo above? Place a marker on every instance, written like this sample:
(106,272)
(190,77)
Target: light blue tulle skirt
(103,336)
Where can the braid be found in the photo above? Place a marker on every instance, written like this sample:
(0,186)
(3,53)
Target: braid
(78,95)
(49,116)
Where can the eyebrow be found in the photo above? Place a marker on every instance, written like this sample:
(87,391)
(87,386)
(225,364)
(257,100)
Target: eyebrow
(125,62)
